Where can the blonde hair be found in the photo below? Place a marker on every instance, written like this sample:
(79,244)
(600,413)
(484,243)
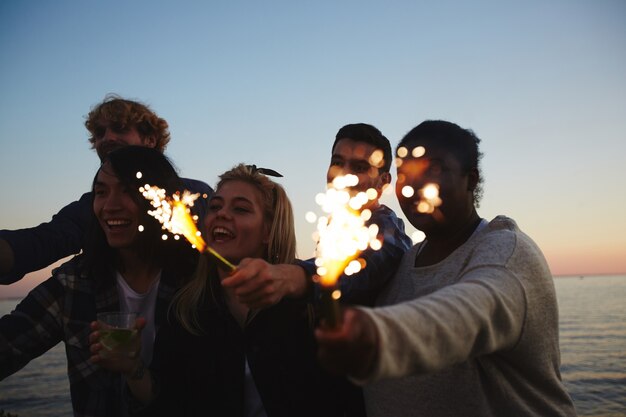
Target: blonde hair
(277,211)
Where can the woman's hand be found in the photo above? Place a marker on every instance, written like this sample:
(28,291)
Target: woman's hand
(258,284)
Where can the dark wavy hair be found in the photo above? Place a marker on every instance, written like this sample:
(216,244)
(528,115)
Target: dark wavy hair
(122,114)
(156,170)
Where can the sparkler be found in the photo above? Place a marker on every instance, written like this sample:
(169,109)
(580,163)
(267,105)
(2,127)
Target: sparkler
(174,214)
(341,236)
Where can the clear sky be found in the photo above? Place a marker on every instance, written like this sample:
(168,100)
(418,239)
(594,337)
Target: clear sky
(543,84)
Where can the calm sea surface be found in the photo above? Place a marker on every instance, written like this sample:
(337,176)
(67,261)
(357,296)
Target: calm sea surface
(593,355)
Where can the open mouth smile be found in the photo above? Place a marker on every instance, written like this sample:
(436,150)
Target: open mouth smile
(117,223)
(221,234)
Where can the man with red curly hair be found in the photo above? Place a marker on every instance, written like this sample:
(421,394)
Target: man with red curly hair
(112,123)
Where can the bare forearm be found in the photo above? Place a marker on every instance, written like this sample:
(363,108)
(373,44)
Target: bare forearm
(258,284)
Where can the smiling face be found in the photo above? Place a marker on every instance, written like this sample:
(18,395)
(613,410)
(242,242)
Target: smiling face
(108,139)
(117,212)
(235,224)
(354,157)
(437,166)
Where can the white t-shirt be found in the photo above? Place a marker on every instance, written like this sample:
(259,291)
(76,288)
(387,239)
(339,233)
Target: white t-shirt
(143,305)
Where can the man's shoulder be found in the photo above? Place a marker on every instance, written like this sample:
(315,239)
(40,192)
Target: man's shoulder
(382,213)
(74,266)
(74,273)
(390,224)
(505,229)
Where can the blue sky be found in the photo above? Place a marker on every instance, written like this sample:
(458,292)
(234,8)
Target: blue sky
(542,83)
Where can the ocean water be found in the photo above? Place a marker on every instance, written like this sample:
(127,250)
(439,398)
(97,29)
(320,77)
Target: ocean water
(593,355)
(592,322)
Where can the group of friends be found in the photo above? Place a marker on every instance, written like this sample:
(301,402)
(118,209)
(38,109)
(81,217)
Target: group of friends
(463,323)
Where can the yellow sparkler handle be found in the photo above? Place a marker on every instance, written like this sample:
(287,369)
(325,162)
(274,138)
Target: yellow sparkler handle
(220,258)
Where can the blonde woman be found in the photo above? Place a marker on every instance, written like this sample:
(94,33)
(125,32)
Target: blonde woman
(218,357)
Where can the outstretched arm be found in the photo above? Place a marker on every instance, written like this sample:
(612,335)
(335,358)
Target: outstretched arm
(30,249)
(352,348)
(259,284)
(482,314)
(6,257)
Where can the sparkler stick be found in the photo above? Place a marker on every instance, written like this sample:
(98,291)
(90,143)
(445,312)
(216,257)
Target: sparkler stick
(341,236)
(174,213)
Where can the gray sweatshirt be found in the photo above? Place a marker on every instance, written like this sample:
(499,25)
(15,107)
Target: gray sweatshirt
(474,335)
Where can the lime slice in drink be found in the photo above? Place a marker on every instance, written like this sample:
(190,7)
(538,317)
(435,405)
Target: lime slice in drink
(115,338)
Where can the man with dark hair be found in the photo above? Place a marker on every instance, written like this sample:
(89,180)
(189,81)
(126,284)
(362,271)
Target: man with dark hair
(468,326)
(362,150)
(112,123)
(375,160)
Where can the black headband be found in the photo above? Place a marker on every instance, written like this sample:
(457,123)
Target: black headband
(264,171)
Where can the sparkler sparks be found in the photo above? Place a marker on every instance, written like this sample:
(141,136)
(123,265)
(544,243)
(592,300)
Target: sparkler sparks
(174,214)
(341,236)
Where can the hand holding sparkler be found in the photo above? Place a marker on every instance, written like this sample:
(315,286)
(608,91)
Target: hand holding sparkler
(174,213)
(352,347)
(259,284)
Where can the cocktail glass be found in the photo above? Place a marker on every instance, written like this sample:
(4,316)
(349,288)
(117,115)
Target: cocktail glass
(118,335)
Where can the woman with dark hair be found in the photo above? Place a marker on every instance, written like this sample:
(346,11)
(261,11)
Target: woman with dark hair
(122,269)
(221,358)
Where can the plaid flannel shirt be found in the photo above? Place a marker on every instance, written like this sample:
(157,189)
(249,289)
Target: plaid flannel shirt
(363,287)
(60,310)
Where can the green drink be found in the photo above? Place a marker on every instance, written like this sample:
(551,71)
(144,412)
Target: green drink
(116,339)
(118,335)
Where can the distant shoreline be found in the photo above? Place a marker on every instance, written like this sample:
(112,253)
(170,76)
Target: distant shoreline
(10,298)
(560,276)
(623,274)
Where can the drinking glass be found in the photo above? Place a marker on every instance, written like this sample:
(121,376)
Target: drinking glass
(118,335)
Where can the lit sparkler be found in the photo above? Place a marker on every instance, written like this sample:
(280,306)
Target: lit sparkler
(174,214)
(341,236)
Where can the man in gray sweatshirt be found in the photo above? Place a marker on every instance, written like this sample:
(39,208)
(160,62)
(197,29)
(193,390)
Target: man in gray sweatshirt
(468,326)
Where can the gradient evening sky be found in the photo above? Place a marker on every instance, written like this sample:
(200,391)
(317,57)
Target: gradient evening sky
(543,83)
